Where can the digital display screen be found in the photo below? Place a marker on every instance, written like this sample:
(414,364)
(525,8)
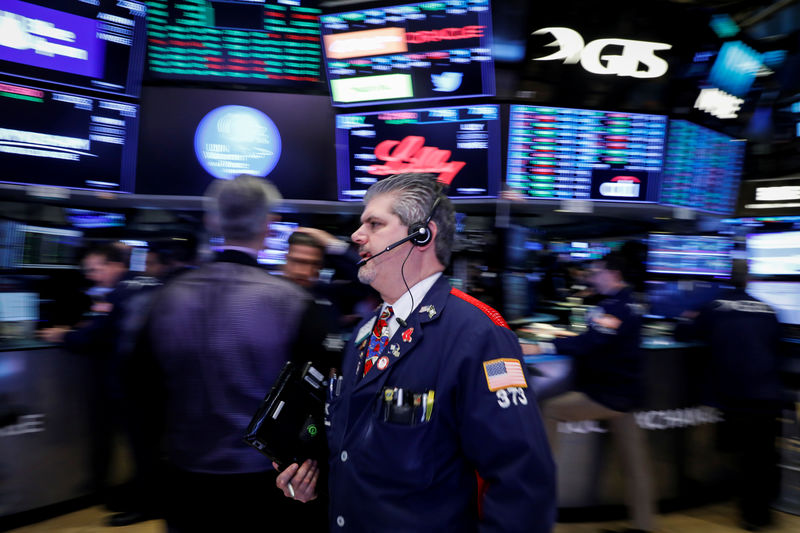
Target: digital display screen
(44,247)
(702,169)
(241,42)
(191,137)
(87,219)
(774,254)
(669,299)
(689,255)
(584,250)
(784,297)
(424,51)
(461,145)
(559,153)
(276,245)
(62,139)
(96,45)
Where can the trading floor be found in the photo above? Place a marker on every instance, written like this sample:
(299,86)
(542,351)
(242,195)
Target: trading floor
(719,518)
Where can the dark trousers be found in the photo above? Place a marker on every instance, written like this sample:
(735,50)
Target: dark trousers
(197,502)
(749,433)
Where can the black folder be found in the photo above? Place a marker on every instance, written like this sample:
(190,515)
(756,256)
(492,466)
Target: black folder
(289,425)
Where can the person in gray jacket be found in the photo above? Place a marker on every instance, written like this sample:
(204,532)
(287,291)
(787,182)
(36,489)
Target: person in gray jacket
(218,337)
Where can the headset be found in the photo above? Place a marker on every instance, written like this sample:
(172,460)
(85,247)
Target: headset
(419,233)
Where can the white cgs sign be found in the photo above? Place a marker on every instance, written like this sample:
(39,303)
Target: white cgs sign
(629,62)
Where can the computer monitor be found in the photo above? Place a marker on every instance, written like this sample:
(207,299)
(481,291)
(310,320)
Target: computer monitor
(276,245)
(774,254)
(560,153)
(409,53)
(96,45)
(46,247)
(460,145)
(671,298)
(689,255)
(57,138)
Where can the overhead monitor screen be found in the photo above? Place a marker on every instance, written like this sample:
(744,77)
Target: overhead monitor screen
(57,138)
(273,42)
(702,169)
(774,254)
(191,137)
(97,45)
(412,52)
(689,255)
(784,297)
(461,145)
(559,153)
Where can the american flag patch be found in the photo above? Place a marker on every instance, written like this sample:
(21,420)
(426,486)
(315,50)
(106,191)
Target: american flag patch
(504,373)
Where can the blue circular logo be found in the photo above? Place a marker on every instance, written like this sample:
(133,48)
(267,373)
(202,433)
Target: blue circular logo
(235,139)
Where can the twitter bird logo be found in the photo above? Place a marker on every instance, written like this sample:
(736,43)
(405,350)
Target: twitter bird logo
(447,82)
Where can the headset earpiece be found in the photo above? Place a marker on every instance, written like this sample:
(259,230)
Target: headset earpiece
(420,238)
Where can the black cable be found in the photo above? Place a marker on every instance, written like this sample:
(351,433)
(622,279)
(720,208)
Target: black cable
(402,322)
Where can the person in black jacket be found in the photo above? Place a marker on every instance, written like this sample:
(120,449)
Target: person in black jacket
(743,381)
(607,374)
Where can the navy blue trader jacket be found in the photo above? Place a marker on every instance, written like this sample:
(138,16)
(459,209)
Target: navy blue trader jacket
(608,364)
(407,440)
(745,335)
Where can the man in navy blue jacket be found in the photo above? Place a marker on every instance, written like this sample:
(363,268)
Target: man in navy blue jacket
(432,424)
(607,373)
(743,381)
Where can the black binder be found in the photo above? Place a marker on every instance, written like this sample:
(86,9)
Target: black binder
(289,425)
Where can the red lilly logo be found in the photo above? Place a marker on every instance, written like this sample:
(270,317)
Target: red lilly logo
(411,155)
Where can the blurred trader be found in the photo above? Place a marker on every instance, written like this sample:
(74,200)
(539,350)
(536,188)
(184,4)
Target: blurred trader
(607,373)
(744,336)
(432,426)
(218,336)
(102,338)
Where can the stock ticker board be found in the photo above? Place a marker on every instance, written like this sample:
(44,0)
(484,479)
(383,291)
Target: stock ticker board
(231,42)
(410,52)
(560,153)
(702,170)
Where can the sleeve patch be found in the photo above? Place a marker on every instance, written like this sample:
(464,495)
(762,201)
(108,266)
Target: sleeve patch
(504,373)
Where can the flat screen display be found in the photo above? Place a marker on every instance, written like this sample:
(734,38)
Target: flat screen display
(584,250)
(560,153)
(44,247)
(97,45)
(235,42)
(276,245)
(410,52)
(190,137)
(692,255)
(702,169)
(88,219)
(461,145)
(774,254)
(62,139)
(669,299)
(783,296)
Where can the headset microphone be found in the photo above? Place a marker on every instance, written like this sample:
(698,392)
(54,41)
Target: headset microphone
(419,233)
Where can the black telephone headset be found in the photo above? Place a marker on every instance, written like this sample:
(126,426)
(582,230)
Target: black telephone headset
(420,232)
